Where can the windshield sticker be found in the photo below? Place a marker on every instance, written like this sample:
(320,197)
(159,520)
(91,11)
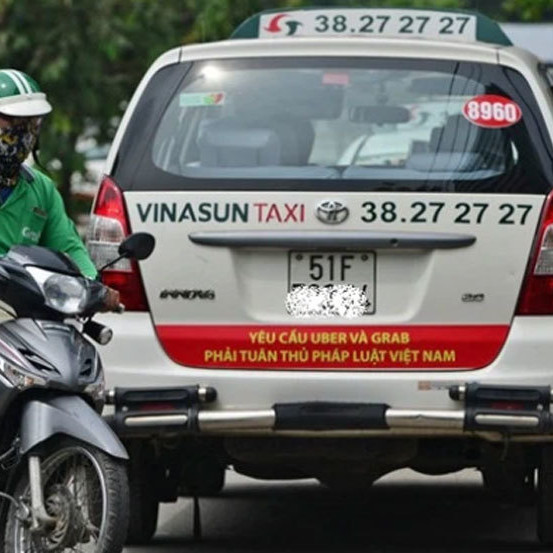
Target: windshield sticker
(341,79)
(201,99)
(492,111)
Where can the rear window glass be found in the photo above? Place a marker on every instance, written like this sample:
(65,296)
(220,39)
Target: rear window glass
(379,124)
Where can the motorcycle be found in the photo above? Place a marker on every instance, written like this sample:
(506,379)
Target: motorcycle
(62,469)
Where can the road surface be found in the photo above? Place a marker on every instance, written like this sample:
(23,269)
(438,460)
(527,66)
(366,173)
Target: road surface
(403,513)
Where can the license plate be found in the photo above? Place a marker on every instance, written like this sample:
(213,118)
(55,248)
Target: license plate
(332,268)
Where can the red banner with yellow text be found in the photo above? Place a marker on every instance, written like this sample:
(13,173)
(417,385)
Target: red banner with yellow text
(335,348)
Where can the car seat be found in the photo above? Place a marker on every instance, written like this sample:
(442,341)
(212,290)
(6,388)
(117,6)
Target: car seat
(229,142)
(463,146)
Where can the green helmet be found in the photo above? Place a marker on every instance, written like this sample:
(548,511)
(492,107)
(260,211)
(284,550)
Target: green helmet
(20,95)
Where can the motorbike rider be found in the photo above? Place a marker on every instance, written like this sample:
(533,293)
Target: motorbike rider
(32,211)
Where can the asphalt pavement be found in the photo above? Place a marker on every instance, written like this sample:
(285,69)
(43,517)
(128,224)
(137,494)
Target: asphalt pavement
(402,513)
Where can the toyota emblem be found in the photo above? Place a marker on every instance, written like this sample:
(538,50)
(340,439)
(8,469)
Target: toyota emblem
(332,212)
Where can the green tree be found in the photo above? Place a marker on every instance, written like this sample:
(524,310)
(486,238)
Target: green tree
(529,10)
(88,55)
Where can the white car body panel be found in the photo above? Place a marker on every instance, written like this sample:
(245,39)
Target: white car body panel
(136,358)
(244,274)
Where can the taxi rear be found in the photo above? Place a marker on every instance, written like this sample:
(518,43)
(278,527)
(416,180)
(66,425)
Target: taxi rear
(353,240)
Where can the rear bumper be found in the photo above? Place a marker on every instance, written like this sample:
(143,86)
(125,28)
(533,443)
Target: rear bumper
(135,358)
(485,411)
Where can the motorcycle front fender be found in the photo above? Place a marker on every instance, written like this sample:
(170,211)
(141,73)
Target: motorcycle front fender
(70,416)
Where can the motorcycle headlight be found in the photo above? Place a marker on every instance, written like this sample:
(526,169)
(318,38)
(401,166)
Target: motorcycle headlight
(64,293)
(19,377)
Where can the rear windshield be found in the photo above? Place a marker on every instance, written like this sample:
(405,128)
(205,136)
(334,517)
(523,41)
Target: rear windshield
(334,123)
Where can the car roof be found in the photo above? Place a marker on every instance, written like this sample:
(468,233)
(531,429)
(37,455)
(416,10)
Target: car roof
(331,46)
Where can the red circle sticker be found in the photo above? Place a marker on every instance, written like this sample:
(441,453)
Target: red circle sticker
(492,111)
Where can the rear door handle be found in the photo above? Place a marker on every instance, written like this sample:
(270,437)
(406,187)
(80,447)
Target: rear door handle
(349,240)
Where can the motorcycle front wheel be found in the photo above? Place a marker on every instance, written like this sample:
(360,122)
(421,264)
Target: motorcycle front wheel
(85,491)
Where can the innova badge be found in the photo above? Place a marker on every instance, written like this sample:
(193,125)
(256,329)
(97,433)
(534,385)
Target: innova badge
(332,212)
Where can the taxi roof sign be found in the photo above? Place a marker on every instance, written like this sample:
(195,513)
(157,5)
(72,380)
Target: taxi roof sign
(449,25)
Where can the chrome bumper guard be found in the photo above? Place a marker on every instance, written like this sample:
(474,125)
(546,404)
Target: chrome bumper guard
(489,411)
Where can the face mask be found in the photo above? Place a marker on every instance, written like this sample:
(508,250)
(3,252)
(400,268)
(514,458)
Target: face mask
(16,143)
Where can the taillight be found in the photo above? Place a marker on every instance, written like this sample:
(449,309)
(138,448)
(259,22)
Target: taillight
(108,226)
(537,291)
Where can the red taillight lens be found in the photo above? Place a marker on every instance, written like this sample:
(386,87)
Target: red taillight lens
(129,285)
(109,203)
(536,297)
(108,226)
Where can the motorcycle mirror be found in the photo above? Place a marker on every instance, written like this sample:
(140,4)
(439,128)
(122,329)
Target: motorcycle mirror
(137,246)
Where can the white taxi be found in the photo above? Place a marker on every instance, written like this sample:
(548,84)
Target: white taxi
(354,260)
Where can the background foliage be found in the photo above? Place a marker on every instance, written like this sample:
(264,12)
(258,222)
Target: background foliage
(89,55)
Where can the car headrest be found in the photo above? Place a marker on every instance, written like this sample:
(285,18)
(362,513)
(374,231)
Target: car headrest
(231,143)
(296,138)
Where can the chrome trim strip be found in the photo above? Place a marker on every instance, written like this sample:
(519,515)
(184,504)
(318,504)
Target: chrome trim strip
(216,421)
(348,240)
(412,418)
(408,421)
(155,420)
(524,421)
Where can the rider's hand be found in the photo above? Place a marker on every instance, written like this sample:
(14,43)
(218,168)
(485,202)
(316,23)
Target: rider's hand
(111,303)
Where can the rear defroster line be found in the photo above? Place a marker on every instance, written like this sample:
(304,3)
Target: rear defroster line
(491,411)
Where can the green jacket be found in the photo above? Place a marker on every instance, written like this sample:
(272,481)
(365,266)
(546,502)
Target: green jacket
(34,214)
